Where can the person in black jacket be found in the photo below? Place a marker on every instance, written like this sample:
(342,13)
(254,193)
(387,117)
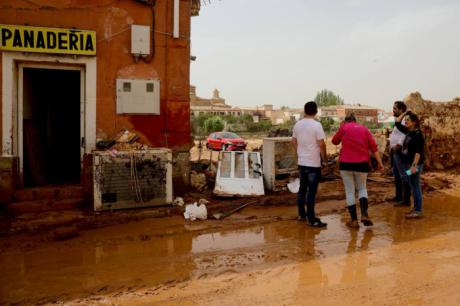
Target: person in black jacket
(413,157)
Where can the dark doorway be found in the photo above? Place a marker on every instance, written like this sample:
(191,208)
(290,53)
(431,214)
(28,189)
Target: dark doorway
(51,126)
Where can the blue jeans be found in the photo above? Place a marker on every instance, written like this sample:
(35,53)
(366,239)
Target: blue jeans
(309,180)
(402,186)
(414,182)
(352,181)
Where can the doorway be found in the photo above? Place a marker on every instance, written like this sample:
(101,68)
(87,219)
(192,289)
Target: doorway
(50,125)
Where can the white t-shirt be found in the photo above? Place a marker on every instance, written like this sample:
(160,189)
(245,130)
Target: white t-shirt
(308,132)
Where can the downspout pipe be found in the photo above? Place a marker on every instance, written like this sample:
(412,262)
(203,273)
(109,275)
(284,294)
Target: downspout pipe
(176,19)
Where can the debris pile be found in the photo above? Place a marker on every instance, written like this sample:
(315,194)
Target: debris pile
(203,174)
(440,122)
(198,181)
(125,140)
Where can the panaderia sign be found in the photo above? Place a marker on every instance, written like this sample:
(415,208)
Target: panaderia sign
(47,40)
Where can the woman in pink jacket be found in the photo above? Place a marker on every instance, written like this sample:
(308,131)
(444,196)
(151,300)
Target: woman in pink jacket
(354,165)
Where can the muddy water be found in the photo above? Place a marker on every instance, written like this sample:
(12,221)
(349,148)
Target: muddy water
(156,253)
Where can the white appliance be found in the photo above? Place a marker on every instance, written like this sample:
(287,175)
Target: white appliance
(280,162)
(132,179)
(239,174)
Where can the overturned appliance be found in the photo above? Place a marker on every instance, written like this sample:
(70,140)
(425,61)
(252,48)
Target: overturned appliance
(239,174)
(132,179)
(280,162)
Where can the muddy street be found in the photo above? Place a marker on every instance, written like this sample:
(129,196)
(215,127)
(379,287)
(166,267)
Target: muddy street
(272,259)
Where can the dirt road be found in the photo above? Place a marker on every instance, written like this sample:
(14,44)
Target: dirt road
(261,256)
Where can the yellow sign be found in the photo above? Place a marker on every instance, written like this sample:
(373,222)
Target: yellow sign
(47,40)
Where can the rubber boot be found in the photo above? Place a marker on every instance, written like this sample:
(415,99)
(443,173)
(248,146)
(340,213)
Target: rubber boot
(353,223)
(363,202)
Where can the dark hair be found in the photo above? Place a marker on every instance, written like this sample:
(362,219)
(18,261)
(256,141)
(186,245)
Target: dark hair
(414,118)
(350,117)
(401,105)
(310,108)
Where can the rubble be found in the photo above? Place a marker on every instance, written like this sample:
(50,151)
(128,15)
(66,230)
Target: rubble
(440,122)
(124,141)
(198,181)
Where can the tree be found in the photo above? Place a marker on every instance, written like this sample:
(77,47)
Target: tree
(327,123)
(213,124)
(198,124)
(327,98)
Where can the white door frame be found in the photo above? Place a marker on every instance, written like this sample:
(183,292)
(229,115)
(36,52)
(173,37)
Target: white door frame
(12,79)
(20,116)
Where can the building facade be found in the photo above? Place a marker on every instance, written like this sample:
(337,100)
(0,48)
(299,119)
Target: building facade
(77,72)
(363,114)
(214,106)
(217,106)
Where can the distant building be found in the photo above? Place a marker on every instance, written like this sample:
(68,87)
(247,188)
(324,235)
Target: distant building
(328,112)
(217,106)
(363,113)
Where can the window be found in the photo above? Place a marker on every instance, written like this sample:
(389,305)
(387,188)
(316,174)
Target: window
(126,87)
(149,87)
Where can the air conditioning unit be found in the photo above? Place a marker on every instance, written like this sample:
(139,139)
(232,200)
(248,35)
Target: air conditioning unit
(132,179)
(280,162)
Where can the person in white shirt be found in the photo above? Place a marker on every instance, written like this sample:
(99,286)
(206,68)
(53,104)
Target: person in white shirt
(308,139)
(402,196)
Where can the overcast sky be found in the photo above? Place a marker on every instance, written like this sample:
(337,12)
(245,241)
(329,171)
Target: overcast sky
(370,52)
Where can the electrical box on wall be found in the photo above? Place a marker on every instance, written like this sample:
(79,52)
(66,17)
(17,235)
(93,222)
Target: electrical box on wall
(138,96)
(140,39)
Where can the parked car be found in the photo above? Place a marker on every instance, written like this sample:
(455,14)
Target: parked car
(225,141)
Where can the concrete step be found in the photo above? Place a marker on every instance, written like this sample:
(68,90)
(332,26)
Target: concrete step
(37,206)
(48,193)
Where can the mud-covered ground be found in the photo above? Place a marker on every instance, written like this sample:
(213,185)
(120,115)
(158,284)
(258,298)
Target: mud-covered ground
(259,256)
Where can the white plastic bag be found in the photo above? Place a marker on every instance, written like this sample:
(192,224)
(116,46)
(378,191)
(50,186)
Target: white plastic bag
(294,186)
(195,211)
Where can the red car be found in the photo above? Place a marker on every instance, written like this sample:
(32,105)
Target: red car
(225,141)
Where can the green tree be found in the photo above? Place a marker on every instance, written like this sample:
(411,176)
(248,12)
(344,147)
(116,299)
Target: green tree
(245,118)
(198,124)
(327,98)
(230,119)
(327,123)
(213,124)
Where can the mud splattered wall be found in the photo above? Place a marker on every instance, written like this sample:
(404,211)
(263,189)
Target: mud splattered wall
(111,19)
(440,124)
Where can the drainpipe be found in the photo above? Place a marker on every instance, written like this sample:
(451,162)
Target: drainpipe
(176,18)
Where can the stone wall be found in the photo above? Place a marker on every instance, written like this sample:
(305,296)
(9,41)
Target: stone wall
(440,124)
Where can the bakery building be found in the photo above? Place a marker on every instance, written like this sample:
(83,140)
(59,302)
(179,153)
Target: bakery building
(75,73)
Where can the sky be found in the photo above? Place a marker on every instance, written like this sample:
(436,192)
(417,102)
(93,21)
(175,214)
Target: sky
(369,52)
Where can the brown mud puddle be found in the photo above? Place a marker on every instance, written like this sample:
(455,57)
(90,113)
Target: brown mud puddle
(161,255)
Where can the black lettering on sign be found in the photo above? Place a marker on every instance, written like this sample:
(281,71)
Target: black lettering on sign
(81,41)
(62,41)
(40,40)
(17,39)
(28,39)
(73,38)
(89,43)
(51,40)
(6,34)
